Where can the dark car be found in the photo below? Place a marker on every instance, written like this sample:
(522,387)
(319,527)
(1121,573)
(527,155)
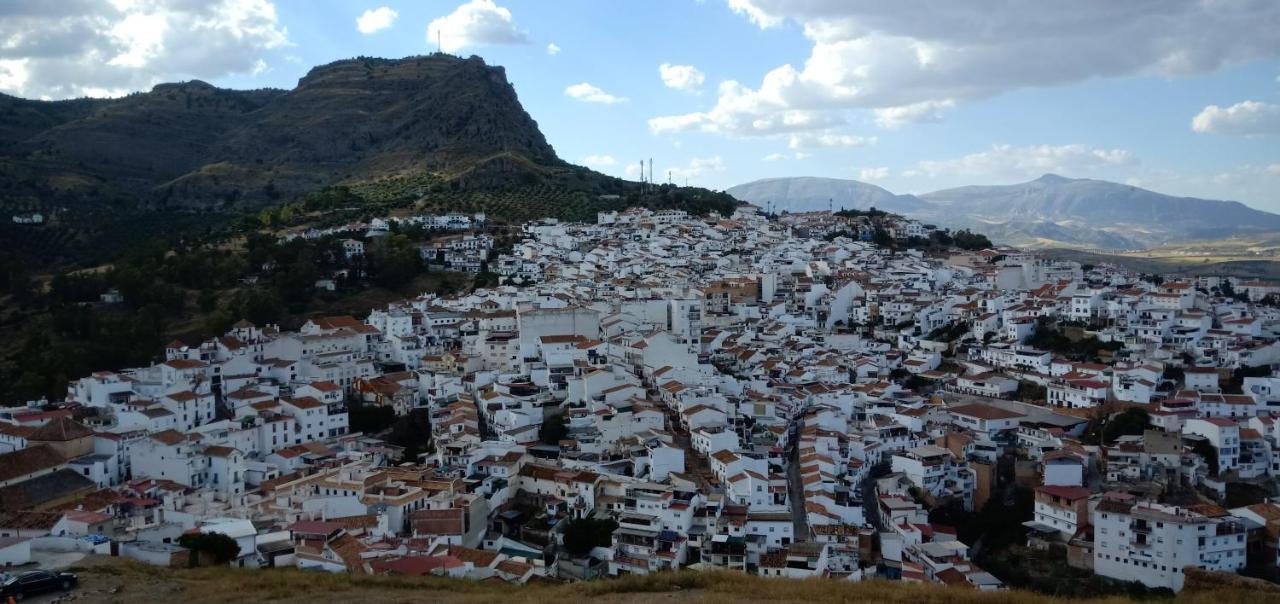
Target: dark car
(35,582)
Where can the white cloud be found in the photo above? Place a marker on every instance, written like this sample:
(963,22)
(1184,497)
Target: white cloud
(590,94)
(924,111)
(1007,163)
(1273,169)
(476,23)
(775,157)
(553,49)
(14,74)
(910,59)
(376,19)
(77,48)
(811,140)
(696,168)
(681,77)
(803,155)
(1245,117)
(599,161)
(755,14)
(873,173)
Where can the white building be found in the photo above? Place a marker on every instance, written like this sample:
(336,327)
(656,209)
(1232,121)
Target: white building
(1152,543)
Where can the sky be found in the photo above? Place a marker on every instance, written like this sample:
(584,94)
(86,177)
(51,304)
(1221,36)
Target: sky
(1178,96)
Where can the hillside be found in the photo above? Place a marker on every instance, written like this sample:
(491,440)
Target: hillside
(1050,211)
(112,580)
(194,145)
(187,159)
(1096,213)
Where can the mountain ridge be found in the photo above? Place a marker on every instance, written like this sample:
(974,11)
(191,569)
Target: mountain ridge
(184,160)
(191,144)
(1049,210)
(814,192)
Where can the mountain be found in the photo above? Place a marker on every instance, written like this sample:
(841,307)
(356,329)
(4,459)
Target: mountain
(197,146)
(1050,211)
(1094,213)
(808,193)
(353,139)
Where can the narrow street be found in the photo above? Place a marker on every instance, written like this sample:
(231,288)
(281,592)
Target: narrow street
(870,506)
(795,495)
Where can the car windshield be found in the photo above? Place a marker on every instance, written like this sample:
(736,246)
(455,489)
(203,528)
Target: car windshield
(9,581)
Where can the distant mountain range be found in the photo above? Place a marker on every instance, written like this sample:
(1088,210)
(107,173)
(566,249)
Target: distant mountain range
(1050,211)
(805,193)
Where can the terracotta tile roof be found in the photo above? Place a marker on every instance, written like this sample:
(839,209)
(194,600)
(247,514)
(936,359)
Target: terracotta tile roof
(62,429)
(438,522)
(169,437)
(23,462)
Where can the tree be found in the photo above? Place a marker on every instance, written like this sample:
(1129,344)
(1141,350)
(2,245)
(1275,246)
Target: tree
(583,534)
(1206,450)
(369,419)
(553,429)
(217,546)
(917,383)
(967,240)
(485,278)
(394,262)
(1031,391)
(1105,430)
(413,432)
(941,239)
(882,238)
(297,283)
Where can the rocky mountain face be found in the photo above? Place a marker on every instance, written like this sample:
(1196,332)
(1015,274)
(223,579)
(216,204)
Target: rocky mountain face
(1049,211)
(192,145)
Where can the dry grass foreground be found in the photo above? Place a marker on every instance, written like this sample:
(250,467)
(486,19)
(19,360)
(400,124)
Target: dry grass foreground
(114,580)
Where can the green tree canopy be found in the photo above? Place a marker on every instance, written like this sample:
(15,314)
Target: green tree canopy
(221,548)
(581,535)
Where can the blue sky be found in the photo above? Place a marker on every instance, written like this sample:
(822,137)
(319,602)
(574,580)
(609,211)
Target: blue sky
(1180,96)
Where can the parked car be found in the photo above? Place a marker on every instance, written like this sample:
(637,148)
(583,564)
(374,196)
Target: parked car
(35,582)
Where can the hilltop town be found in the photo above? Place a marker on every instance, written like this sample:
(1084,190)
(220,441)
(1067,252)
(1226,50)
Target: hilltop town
(847,395)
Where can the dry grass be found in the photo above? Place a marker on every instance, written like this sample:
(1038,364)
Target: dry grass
(141,583)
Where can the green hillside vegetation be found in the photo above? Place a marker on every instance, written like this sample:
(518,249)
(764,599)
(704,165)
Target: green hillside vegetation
(58,329)
(356,138)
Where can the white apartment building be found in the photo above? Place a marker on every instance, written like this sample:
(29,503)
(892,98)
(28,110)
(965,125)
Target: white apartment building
(1152,543)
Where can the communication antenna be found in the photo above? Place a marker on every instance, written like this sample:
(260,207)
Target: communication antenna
(668,176)
(440,40)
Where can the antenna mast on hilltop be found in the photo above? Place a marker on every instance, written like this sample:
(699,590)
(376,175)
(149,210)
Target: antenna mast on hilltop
(440,40)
